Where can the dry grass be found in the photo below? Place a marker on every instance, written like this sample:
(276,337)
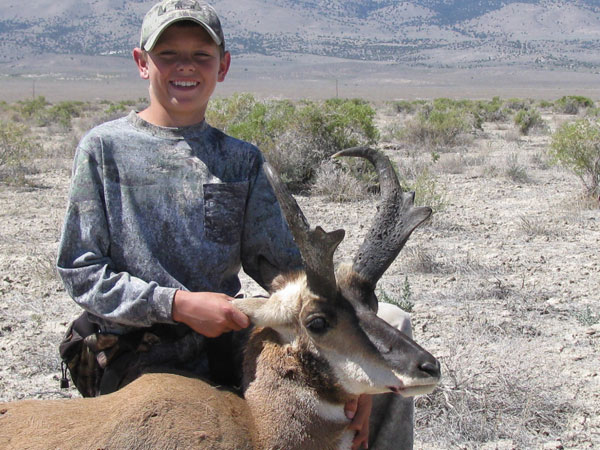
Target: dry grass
(338,185)
(451,163)
(534,226)
(515,171)
(481,400)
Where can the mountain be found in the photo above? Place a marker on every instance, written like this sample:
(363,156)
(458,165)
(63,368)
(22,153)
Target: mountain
(429,33)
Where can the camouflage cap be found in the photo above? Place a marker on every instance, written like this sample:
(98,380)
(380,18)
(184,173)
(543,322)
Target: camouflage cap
(168,12)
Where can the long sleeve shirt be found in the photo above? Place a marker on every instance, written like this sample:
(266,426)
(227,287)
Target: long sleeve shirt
(154,209)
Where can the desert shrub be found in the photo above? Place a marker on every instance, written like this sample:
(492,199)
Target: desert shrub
(337,183)
(405,106)
(421,260)
(16,149)
(592,112)
(576,146)
(529,119)
(32,108)
(427,191)
(571,104)
(533,226)
(41,113)
(442,124)
(587,317)
(296,137)
(540,160)
(402,301)
(517,104)
(515,171)
(490,110)
(61,114)
(118,107)
(450,163)
(545,104)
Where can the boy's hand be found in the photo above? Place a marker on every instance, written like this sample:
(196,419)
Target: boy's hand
(359,410)
(208,313)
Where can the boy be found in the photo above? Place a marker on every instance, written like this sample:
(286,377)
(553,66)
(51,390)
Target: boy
(163,212)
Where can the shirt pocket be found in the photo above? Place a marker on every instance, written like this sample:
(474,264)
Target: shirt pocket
(224,205)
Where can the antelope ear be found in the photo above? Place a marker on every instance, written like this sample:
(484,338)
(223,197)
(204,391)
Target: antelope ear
(271,312)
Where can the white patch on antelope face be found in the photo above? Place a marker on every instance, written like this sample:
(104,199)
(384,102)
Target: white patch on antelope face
(359,375)
(413,386)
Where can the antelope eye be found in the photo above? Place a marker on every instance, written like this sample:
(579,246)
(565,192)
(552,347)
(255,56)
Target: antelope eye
(317,325)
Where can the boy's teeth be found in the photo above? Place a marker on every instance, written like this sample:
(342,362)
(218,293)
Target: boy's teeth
(184,83)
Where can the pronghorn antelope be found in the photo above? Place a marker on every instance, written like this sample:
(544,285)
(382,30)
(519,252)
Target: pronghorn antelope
(317,343)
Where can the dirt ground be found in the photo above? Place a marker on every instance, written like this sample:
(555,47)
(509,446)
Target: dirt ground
(505,282)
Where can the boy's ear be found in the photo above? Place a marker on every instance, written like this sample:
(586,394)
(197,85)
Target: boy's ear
(224,64)
(140,58)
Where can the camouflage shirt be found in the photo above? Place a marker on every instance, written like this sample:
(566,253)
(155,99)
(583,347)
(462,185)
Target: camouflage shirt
(154,209)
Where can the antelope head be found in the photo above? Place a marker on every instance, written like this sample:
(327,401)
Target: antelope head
(330,317)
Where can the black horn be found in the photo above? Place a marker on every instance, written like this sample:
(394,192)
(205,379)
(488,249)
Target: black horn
(396,219)
(315,244)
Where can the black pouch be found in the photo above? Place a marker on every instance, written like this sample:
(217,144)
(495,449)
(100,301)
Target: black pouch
(78,358)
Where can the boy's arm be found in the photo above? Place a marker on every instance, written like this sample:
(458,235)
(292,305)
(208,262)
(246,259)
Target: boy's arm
(84,263)
(266,237)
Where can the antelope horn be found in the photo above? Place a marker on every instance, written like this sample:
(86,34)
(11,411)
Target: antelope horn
(396,219)
(315,244)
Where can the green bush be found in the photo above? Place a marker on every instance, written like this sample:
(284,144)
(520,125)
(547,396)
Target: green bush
(517,104)
(404,301)
(406,106)
(296,138)
(32,108)
(441,124)
(571,104)
(489,110)
(119,107)
(426,189)
(576,146)
(16,149)
(61,114)
(529,119)
(43,114)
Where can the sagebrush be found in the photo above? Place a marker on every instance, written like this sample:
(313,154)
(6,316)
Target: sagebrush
(576,146)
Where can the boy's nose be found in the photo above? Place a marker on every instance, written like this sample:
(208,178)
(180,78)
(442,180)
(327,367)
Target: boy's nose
(185,64)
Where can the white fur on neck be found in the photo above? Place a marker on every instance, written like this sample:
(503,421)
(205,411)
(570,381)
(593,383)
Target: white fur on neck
(334,412)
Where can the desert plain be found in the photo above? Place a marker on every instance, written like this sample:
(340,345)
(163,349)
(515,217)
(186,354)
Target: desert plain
(504,280)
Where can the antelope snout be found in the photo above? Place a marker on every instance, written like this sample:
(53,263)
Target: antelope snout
(431,368)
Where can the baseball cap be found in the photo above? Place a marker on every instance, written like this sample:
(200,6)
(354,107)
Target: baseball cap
(168,12)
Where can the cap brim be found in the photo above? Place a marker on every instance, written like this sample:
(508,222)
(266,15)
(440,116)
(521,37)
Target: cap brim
(151,41)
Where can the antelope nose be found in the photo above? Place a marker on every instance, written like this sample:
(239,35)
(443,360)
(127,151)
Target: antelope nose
(431,369)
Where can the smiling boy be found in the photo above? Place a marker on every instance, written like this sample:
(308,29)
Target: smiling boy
(163,212)
(184,63)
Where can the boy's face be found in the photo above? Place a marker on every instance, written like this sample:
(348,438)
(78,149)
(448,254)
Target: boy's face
(183,68)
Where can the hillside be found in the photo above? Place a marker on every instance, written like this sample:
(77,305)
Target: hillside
(426,33)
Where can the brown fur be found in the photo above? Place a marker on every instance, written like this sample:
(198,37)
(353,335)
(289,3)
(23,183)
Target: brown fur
(157,411)
(281,382)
